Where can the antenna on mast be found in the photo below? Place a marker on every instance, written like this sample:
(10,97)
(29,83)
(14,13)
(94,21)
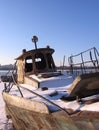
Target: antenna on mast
(35,40)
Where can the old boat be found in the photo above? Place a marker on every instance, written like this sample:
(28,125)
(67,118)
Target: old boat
(42,98)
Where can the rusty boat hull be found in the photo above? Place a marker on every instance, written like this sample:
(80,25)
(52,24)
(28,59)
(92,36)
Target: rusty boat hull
(34,115)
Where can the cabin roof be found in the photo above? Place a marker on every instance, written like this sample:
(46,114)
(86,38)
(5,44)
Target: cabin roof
(34,51)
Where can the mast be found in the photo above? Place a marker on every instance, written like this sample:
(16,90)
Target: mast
(35,40)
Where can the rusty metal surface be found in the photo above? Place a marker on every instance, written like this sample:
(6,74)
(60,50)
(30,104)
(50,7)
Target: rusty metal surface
(87,120)
(85,85)
(29,119)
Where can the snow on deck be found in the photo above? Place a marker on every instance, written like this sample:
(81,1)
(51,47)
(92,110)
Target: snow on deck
(54,82)
(54,92)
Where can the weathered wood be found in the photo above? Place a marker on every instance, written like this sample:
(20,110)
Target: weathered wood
(24,103)
(31,81)
(20,71)
(34,115)
(46,63)
(5,78)
(85,85)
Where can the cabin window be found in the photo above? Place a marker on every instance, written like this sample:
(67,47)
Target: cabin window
(40,61)
(28,64)
(50,61)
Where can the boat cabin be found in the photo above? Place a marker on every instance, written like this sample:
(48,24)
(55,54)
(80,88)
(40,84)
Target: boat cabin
(35,61)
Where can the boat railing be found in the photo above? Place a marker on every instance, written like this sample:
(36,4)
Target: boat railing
(8,77)
(84,62)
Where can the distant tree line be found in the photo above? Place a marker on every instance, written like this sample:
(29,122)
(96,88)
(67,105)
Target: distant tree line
(6,67)
(74,67)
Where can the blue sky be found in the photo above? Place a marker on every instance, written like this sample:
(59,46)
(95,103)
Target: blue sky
(68,26)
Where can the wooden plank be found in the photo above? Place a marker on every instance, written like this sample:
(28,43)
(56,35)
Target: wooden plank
(25,103)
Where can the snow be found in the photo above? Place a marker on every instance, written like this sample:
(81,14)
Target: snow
(5,124)
(57,88)
(2,113)
(54,92)
(54,82)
